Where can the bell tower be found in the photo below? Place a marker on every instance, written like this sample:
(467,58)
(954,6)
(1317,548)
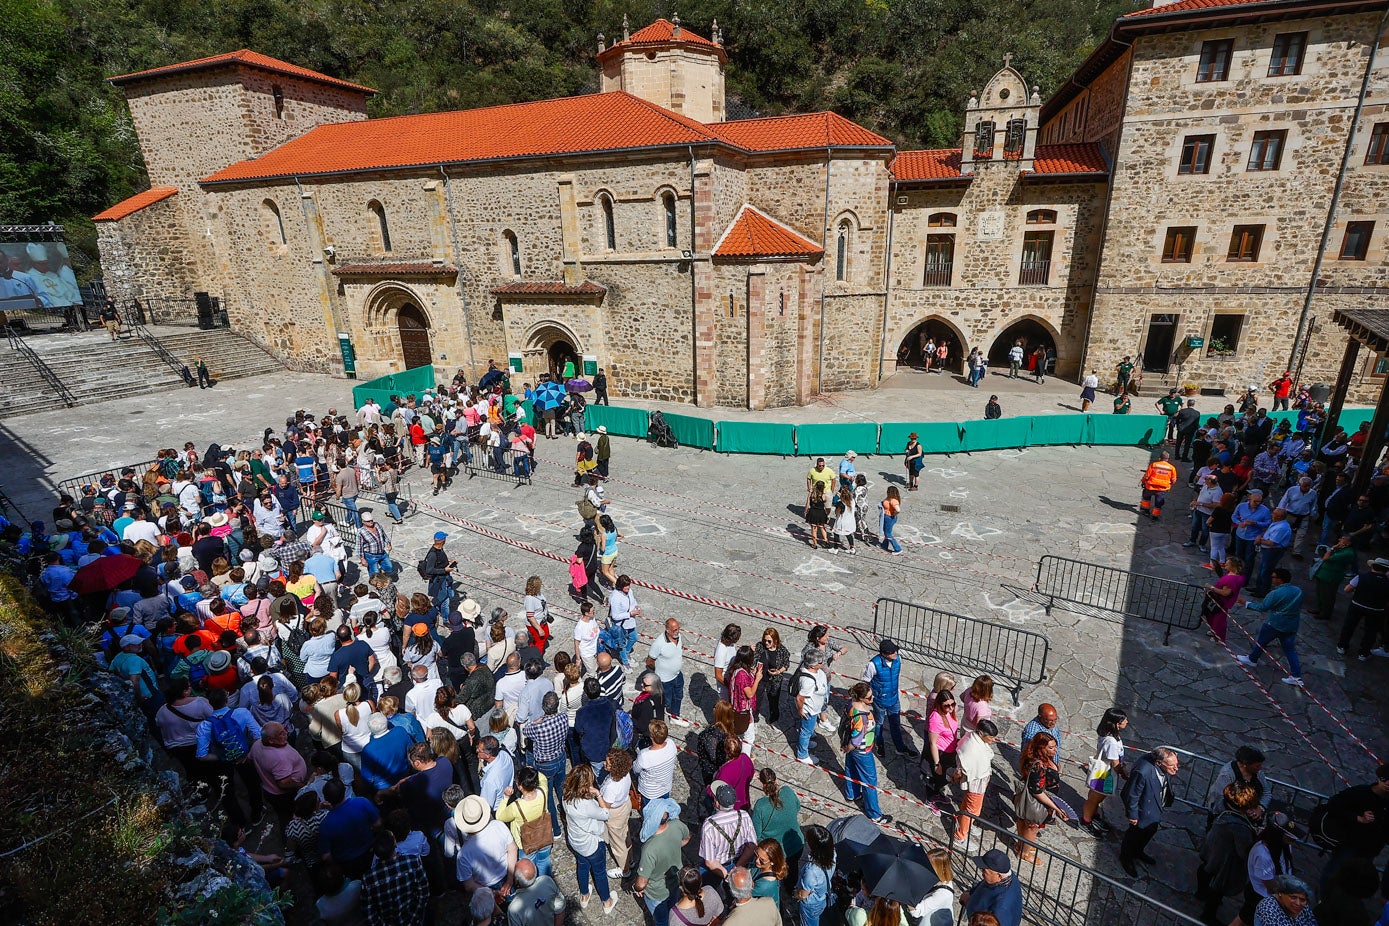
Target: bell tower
(668,65)
(1001,122)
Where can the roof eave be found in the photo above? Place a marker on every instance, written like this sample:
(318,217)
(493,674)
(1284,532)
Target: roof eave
(961,180)
(1217,16)
(768,258)
(123,80)
(1097,176)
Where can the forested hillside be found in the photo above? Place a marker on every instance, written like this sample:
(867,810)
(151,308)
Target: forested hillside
(901,67)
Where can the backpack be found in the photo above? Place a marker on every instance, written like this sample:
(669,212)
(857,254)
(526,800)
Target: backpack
(586,509)
(624,730)
(197,675)
(420,568)
(846,728)
(585,450)
(229,737)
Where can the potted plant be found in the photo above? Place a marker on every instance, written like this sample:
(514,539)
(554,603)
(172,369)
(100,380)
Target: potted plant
(1190,388)
(1220,347)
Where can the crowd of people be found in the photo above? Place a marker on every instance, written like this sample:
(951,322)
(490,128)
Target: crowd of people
(406,749)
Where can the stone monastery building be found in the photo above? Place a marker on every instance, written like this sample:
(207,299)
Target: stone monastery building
(1210,184)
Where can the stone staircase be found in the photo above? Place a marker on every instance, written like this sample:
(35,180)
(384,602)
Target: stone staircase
(94,369)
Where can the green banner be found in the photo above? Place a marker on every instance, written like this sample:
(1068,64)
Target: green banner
(383,387)
(935,436)
(756,437)
(834,439)
(996,434)
(1051,430)
(620,422)
(691,431)
(1127,430)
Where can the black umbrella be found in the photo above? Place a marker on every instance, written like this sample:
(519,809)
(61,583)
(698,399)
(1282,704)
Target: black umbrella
(896,877)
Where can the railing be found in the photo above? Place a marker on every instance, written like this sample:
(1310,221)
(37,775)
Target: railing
(160,351)
(938,275)
(1193,786)
(502,463)
(73,485)
(17,343)
(336,513)
(1058,890)
(1105,591)
(1037,273)
(1007,653)
(10,510)
(158,310)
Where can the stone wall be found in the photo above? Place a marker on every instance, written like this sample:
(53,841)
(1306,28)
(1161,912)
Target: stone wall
(687,81)
(1166,105)
(145,256)
(1096,113)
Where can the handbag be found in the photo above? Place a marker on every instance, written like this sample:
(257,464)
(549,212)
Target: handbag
(1210,607)
(536,834)
(1100,777)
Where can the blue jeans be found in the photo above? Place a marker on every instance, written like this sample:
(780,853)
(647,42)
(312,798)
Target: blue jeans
(625,655)
(810,916)
(1199,534)
(886,525)
(441,593)
(893,714)
(353,517)
(541,859)
(1289,641)
(674,692)
(597,866)
(1245,550)
(554,773)
(803,742)
(1327,535)
(392,508)
(1268,561)
(522,466)
(659,909)
(378,562)
(861,774)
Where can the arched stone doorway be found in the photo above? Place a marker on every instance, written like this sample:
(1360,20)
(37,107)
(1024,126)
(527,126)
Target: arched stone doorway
(550,347)
(1031,332)
(934,330)
(413,325)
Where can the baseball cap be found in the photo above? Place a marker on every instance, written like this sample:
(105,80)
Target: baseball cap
(725,796)
(440,535)
(368,517)
(132,639)
(995,860)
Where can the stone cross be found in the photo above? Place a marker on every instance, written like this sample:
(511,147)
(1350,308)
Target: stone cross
(626,30)
(1008,60)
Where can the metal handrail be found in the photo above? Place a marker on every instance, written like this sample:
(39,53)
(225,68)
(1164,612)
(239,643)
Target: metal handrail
(160,351)
(18,343)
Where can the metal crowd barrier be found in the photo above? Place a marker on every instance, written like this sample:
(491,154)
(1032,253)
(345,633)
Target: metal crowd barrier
(73,486)
(1007,653)
(337,514)
(503,463)
(1058,890)
(1192,785)
(1105,591)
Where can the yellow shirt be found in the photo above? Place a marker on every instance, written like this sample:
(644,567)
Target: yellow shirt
(511,812)
(824,476)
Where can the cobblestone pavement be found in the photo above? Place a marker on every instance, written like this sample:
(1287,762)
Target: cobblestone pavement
(728,529)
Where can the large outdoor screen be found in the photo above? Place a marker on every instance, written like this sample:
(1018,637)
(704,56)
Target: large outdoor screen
(36,275)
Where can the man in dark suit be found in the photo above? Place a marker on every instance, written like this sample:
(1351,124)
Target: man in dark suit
(1146,794)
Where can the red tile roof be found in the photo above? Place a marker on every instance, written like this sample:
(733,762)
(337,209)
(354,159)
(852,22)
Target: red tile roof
(754,234)
(792,133)
(663,30)
(937,164)
(135,203)
(549,288)
(246,58)
(571,125)
(1182,6)
(415,268)
(944,163)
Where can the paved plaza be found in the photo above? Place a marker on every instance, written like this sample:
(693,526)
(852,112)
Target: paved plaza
(727,529)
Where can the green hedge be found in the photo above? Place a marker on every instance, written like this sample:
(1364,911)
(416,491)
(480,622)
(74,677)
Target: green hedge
(833,439)
(756,437)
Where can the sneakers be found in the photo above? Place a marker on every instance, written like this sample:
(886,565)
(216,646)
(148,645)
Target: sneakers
(1340,651)
(895,552)
(1379,651)
(677,720)
(1363,657)
(1245,661)
(1295,681)
(616,873)
(1188,545)
(808,760)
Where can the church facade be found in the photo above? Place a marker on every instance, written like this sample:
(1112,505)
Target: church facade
(758,262)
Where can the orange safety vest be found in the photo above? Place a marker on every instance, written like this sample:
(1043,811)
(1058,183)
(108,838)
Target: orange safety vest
(1160,476)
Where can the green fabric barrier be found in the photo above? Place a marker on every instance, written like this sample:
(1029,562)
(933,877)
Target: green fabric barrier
(1052,430)
(996,434)
(417,380)
(834,439)
(623,422)
(1127,430)
(935,436)
(691,431)
(756,437)
(1351,419)
(360,394)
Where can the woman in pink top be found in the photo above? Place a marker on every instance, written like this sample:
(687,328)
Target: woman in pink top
(743,681)
(1223,595)
(942,733)
(977,703)
(736,772)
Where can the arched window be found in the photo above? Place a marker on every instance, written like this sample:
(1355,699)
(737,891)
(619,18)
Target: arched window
(941,220)
(841,260)
(668,205)
(983,140)
(274,225)
(1041,217)
(383,228)
(605,203)
(513,251)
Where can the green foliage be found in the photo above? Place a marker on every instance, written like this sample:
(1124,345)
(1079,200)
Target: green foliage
(901,67)
(233,905)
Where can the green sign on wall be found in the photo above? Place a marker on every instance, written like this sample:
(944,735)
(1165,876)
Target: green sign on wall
(349,356)
(1195,343)
(590,365)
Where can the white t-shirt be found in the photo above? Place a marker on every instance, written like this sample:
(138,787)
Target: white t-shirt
(483,856)
(586,635)
(1091,381)
(815,686)
(616,790)
(1261,868)
(456,722)
(655,770)
(1110,749)
(723,655)
(420,700)
(509,692)
(141,530)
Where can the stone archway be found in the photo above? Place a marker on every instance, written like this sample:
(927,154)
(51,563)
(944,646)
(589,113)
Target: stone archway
(932,328)
(1029,329)
(549,347)
(396,314)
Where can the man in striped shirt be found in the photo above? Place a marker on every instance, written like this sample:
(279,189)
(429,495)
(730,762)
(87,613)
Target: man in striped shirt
(611,678)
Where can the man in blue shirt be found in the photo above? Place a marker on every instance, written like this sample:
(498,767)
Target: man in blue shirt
(1276,539)
(1283,605)
(345,834)
(998,892)
(1250,518)
(55,578)
(386,759)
